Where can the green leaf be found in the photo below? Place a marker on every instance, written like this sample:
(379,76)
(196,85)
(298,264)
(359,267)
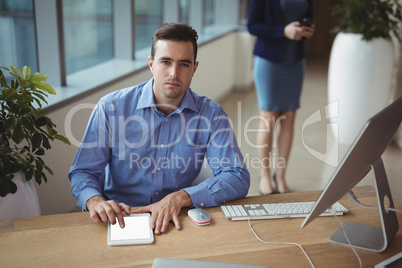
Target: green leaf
(29,174)
(3,81)
(38,176)
(11,122)
(40,96)
(18,134)
(45,86)
(44,177)
(40,122)
(21,162)
(7,187)
(36,77)
(50,123)
(49,170)
(45,142)
(371,18)
(16,71)
(63,139)
(26,73)
(8,93)
(27,123)
(40,152)
(26,98)
(50,131)
(14,83)
(38,102)
(14,108)
(14,167)
(36,140)
(25,110)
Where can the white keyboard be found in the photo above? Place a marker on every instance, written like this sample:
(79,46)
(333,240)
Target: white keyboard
(276,210)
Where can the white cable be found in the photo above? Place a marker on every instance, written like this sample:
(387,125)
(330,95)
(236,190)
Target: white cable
(394,209)
(354,199)
(351,196)
(280,243)
(347,239)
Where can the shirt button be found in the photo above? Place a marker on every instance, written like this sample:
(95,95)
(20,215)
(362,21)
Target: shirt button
(162,145)
(156,193)
(166,120)
(202,204)
(159,169)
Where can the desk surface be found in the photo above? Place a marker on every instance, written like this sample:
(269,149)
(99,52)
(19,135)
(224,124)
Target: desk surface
(74,240)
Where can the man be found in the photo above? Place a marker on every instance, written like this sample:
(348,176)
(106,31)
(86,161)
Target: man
(149,142)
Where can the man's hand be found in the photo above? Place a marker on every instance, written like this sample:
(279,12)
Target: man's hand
(167,210)
(102,210)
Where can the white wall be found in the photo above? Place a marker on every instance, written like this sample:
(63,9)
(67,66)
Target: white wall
(224,65)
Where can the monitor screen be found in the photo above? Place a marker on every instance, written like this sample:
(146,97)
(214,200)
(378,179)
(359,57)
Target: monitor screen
(365,151)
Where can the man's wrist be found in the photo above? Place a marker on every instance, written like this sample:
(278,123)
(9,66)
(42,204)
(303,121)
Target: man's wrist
(91,202)
(184,198)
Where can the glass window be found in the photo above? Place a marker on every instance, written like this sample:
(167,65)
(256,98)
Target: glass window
(88,34)
(184,8)
(17,34)
(208,12)
(148,17)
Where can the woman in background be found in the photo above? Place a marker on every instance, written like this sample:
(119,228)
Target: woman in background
(278,76)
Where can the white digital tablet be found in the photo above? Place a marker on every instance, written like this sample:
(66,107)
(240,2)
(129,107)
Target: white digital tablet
(137,230)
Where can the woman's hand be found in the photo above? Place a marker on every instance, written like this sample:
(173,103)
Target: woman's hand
(294,31)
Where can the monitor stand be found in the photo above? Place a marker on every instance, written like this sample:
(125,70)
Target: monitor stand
(366,237)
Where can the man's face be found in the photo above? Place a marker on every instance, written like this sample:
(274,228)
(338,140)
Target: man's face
(173,67)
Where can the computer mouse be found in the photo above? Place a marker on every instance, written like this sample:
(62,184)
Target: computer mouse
(199,216)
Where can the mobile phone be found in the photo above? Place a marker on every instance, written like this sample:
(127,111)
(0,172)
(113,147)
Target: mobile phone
(306,22)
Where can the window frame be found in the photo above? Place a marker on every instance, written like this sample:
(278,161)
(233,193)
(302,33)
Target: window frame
(126,61)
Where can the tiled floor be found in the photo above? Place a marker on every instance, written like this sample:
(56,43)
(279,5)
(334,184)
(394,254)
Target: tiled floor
(305,172)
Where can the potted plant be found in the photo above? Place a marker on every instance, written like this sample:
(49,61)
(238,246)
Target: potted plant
(26,132)
(361,66)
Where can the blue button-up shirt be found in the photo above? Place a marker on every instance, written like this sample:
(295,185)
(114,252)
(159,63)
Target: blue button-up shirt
(133,153)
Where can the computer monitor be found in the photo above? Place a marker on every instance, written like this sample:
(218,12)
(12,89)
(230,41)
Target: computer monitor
(363,155)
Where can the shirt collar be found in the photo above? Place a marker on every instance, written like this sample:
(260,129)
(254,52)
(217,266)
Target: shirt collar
(147,99)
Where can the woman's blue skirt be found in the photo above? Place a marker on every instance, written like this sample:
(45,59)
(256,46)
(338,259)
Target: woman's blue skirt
(278,85)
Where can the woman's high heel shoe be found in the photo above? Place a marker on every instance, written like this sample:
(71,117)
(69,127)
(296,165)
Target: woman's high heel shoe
(276,185)
(261,193)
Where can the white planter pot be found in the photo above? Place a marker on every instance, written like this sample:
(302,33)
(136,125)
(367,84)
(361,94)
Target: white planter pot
(359,82)
(24,203)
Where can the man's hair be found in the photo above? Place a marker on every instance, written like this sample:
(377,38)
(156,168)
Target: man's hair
(175,32)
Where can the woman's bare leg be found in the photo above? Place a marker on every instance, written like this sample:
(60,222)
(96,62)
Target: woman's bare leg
(284,143)
(265,142)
